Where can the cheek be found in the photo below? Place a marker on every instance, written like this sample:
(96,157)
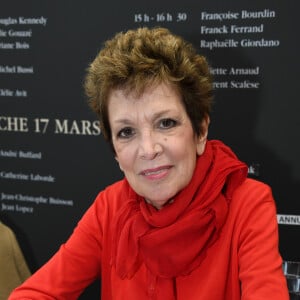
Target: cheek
(185,145)
(182,153)
(124,157)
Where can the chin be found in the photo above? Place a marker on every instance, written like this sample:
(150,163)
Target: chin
(159,203)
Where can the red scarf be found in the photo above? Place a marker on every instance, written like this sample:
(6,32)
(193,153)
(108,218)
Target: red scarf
(173,241)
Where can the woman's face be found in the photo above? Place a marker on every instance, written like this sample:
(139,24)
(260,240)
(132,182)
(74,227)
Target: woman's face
(154,142)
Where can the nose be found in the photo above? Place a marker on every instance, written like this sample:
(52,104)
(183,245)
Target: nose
(149,146)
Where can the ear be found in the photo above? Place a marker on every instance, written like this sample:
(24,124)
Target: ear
(202,138)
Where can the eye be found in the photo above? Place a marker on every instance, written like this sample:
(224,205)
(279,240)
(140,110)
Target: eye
(167,123)
(125,133)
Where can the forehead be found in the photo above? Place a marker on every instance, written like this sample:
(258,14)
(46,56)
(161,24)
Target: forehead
(154,102)
(159,95)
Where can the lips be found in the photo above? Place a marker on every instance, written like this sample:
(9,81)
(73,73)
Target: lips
(156,173)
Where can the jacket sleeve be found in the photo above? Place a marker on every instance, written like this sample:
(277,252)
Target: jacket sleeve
(260,263)
(76,265)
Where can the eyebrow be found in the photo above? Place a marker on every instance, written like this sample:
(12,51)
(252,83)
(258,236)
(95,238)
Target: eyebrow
(155,116)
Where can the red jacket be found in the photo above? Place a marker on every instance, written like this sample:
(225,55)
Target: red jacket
(244,263)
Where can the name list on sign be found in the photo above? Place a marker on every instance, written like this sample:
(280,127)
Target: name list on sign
(16,37)
(234,33)
(242,29)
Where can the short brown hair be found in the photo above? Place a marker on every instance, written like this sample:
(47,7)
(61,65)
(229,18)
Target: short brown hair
(139,58)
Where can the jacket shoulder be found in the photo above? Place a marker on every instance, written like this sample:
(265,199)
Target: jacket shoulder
(253,189)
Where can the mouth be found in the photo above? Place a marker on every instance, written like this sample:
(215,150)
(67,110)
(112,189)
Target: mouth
(156,173)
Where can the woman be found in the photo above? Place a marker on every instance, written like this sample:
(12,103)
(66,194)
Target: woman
(184,223)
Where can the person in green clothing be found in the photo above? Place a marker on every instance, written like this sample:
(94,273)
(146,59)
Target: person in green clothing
(13,266)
